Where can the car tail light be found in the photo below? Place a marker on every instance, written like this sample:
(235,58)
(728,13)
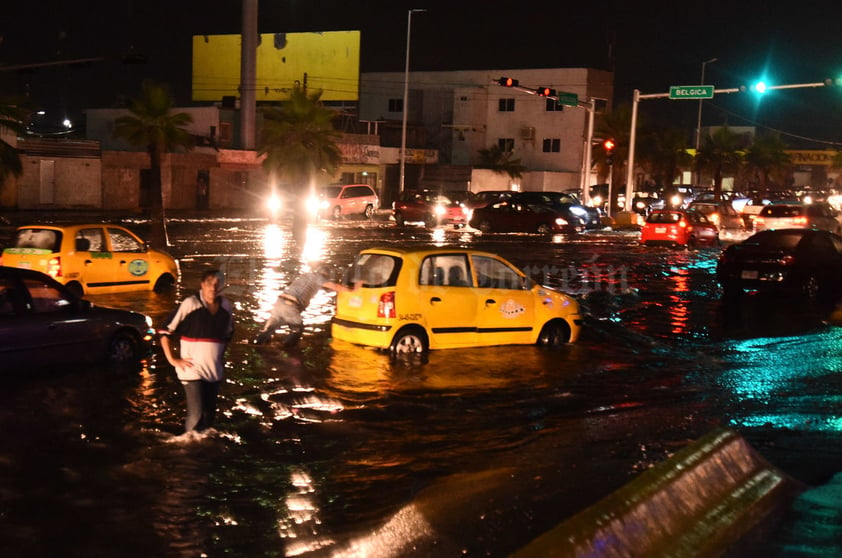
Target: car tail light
(54,267)
(386,305)
(682,224)
(759,220)
(789,259)
(799,221)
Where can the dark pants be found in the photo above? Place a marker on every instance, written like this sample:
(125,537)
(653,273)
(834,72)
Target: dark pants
(201,404)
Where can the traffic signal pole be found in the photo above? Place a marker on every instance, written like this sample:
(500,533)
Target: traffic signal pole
(637,96)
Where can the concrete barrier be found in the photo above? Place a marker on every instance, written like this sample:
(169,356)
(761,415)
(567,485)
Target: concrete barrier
(704,501)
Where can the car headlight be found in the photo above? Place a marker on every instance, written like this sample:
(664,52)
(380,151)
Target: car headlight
(273,203)
(560,222)
(439,210)
(578,211)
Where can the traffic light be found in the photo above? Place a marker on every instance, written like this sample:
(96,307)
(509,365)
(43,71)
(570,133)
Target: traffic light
(507,82)
(545,92)
(608,145)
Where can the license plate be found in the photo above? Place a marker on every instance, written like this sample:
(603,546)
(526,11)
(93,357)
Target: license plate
(749,274)
(660,230)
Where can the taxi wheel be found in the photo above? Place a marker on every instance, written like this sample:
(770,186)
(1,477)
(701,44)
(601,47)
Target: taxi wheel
(408,341)
(76,288)
(554,334)
(164,283)
(122,348)
(369,212)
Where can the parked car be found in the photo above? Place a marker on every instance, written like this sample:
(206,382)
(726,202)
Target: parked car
(676,227)
(518,214)
(345,200)
(414,299)
(430,207)
(801,261)
(721,214)
(820,215)
(92,258)
(565,204)
(43,324)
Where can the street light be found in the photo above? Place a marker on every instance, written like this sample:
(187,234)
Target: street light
(699,120)
(406,96)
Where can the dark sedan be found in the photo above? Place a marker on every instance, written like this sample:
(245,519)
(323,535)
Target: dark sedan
(43,324)
(517,215)
(801,261)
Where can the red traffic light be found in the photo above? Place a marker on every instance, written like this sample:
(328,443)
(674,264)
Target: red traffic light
(507,82)
(545,92)
(608,145)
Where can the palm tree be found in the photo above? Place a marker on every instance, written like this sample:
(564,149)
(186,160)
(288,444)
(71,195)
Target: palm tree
(153,125)
(721,152)
(299,141)
(500,162)
(766,158)
(12,118)
(664,154)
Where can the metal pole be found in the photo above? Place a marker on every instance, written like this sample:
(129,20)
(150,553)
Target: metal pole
(699,119)
(586,172)
(406,98)
(248,75)
(632,140)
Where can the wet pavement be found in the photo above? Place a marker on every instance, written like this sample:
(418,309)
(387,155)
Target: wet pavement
(337,450)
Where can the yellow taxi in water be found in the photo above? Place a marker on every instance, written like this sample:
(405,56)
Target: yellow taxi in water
(416,299)
(92,258)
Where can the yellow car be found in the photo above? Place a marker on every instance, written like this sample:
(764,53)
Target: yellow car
(412,300)
(92,258)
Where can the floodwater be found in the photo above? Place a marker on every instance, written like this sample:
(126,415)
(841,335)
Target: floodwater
(336,450)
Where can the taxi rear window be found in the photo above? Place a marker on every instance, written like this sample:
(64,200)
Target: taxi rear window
(375,270)
(42,239)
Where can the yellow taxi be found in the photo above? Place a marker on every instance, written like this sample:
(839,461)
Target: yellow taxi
(92,258)
(415,299)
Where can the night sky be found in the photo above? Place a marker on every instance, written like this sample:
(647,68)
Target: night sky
(650,46)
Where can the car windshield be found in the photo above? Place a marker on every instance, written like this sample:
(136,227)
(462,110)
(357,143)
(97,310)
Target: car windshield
(664,217)
(42,239)
(776,240)
(331,192)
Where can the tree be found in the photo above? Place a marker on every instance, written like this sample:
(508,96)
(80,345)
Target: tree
(495,159)
(766,159)
(719,153)
(664,154)
(153,125)
(299,141)
(12,119)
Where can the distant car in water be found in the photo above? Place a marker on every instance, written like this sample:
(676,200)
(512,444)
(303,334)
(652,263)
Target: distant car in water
(520,214)
(345,200)
(677,227)
(43,324)
(722,214)
(431,207)
(819,215)
(93,258)
(567,204)
(801,261)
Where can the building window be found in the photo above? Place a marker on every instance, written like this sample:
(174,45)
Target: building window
(507,105)
(395,105)
(553,105)
(506,145)
(552,145)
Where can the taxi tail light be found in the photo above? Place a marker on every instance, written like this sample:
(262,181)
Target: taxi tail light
(54,267)
(386,305)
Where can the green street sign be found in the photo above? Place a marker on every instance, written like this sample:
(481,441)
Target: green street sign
(569,99)
(691,92)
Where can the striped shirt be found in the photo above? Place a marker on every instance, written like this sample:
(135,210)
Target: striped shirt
(203,337)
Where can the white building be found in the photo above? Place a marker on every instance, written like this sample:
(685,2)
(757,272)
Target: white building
(461,112)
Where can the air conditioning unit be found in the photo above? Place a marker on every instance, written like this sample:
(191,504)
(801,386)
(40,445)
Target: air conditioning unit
(527,133)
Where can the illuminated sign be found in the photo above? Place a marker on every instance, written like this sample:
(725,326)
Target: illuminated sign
(328,61)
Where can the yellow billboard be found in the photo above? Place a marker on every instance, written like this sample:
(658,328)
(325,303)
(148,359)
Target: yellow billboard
(328,61)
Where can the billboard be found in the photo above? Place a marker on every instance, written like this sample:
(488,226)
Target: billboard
(329,61)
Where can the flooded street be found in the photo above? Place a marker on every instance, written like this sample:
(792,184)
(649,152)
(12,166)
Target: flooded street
(331,449)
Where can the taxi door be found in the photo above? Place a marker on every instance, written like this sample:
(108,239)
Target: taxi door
(447,301)
(92,263)
(505,308)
